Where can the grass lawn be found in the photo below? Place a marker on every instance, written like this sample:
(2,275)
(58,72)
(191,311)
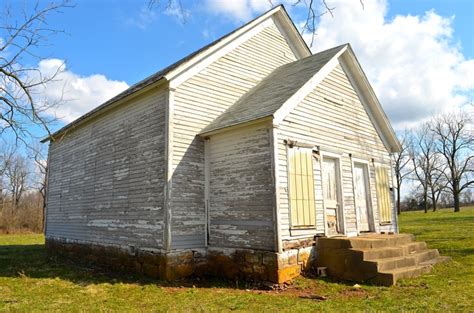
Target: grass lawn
(31,282)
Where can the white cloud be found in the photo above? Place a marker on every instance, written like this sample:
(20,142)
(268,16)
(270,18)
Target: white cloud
(145,17)
(75,94)
(240,11)
(412,62)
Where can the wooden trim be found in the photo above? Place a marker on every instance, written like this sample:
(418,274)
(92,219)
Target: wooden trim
(236,126)
(168,169)
(340,191)
(394,208)
(46,198)
(276,188)
(206,190)
(354,195)
(369,194)
(293,143)
(301,50)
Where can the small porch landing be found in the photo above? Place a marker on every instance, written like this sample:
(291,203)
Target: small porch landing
(377,258)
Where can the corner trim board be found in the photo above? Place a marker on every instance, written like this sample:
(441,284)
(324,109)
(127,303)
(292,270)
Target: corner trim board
(168,170)
(276,187)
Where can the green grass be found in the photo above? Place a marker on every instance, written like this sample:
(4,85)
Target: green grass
(31,282)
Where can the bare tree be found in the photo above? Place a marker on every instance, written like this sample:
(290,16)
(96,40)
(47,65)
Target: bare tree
(455,140)
(402,166)
(38,155)
(22,33)
(436,179)
(17,174)
(423,154)
(6,154)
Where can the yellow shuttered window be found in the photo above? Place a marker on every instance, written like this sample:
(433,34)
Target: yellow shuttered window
(383,194)
(301,185)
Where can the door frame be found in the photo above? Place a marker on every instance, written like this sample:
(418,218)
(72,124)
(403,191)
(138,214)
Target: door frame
(370,208)
(340,209)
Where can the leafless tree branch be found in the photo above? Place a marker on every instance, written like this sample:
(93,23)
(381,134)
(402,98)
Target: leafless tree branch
(20,106)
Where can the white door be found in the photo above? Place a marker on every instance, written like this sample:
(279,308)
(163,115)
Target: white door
(362,195)
(331,187)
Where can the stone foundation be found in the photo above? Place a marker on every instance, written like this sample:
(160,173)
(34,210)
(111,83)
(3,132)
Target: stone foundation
(236,264)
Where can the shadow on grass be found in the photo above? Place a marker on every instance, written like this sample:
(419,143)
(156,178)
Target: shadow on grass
(32,261)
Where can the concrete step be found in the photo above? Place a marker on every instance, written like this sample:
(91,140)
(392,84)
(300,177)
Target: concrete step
(390,277)
(413,259)
(425,255)
(365,241)
(394,263)
(369,254)
(380,258)
(380,241)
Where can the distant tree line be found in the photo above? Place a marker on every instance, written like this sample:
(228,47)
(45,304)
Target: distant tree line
(438,159)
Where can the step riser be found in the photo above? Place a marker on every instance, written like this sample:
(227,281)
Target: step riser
(364,242)
(426,256)
(391,252)
(391,265)
(380,254)
(389,279)
(375,244)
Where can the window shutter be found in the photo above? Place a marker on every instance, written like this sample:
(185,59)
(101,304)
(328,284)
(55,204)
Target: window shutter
(383,194)
(301,185)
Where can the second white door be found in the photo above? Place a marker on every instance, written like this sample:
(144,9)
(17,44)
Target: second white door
(361,189)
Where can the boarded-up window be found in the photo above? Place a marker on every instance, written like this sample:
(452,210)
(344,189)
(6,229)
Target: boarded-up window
(383,194)
(301,184)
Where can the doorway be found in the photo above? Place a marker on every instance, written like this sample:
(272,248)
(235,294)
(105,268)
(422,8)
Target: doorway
(362,196)
(331,179)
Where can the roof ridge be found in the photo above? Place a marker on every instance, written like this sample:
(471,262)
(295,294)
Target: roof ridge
(153,78)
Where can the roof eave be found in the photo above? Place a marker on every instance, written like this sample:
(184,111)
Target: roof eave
(105,107)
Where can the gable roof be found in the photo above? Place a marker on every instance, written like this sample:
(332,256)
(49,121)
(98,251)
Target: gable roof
(273,91)
(171,71)
(286,86)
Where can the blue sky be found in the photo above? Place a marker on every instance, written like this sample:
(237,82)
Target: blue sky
(119,40)
(418,55)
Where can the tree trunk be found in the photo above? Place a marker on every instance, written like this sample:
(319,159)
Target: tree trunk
(456,194)
(399,207)
(456,201)
(433,195)
(425,199)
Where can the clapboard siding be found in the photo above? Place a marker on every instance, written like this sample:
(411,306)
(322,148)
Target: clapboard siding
(106,178)
(343,127)
(197,102)
(241,213)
